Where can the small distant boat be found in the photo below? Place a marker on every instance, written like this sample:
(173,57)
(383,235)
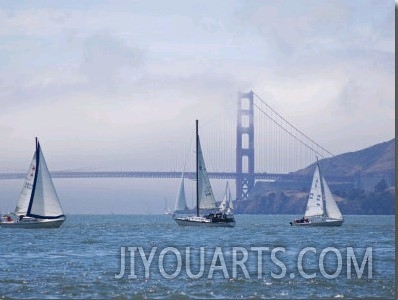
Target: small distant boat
(204,198)
(227,205)
(38,205)
(322,209)
(167,210)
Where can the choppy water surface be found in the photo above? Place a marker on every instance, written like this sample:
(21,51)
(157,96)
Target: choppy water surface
(82,259)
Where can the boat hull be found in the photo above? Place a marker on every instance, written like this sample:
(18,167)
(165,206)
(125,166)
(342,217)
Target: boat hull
(200,223)
(33,224)
(326,223)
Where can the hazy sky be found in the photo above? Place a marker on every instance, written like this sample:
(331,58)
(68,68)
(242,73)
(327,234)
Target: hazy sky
(117,84)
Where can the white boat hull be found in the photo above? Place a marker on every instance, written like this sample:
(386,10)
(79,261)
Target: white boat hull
(37,224)
(202,222)
(325,223)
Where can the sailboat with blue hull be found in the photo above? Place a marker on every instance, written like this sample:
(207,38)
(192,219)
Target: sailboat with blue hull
(38,205)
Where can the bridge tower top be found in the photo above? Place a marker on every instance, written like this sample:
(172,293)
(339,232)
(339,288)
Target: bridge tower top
(245,145)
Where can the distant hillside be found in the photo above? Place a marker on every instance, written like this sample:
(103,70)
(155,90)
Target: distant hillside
(374,194)
(377,160)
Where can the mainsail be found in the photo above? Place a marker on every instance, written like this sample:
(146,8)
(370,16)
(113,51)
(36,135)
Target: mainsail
(43,202)
(181,203)
(315,202)
(206,196)
(26,192)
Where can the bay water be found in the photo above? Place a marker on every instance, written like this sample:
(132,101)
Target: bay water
(103,257)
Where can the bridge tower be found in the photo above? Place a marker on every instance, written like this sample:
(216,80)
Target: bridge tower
(245,146)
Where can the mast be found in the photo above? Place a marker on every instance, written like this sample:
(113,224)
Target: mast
(197,169)
(32,195)
(324,213)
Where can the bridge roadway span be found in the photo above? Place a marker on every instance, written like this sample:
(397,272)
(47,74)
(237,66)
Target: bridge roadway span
(172,174)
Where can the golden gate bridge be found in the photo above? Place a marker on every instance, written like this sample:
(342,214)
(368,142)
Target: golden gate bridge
(271,150)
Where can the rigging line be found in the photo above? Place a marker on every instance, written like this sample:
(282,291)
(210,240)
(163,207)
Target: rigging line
(189,151)
(258,97)
(283,128)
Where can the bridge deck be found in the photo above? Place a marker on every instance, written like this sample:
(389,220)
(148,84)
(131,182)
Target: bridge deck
(173,174)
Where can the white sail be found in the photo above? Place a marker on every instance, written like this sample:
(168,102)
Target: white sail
(225,201)
(206,196)
(230,209)
(332,210)
(181,203)
(26,192)
(44,203)
(315,203)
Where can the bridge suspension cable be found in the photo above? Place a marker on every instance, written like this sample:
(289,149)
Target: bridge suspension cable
(307,145)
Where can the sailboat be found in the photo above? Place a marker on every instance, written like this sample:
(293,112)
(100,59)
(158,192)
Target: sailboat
(227,205)
(322,209)
(38,205)
(166,209)
(181,202)
(204,197)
